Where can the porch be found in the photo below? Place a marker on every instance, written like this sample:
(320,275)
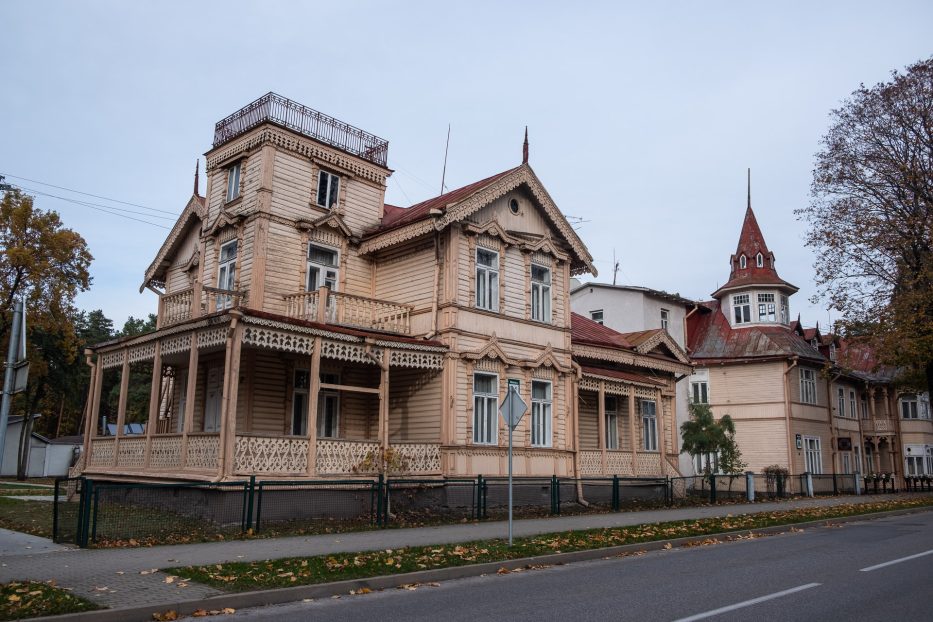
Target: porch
(236,394)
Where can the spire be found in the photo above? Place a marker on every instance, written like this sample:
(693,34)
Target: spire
(749,188)
(525,147)
(197,167)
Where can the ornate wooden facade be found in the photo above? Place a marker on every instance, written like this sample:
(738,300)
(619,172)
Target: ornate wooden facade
(307,329)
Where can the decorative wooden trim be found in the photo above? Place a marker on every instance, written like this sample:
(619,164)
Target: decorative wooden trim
(659,338)
(193,209)
(629,358)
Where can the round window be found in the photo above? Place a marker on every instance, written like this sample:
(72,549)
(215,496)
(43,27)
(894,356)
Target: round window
(513,205)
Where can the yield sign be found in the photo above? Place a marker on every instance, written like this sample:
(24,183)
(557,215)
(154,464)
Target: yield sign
(513,408)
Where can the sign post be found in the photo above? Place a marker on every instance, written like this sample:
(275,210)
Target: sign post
(512,409)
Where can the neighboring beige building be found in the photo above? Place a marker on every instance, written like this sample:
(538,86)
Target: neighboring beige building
(308,329)
(801,400)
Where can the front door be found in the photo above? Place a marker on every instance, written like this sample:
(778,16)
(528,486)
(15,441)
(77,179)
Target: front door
(212,398)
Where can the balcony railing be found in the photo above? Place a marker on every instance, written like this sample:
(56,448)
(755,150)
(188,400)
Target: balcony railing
(878,426)
(349,310)
(197,301)
(272,108)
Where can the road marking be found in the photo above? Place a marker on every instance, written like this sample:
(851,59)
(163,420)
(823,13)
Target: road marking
(747,603)
(896,561)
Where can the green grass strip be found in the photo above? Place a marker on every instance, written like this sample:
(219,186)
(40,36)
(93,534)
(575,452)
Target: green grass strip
(31,599)
(247,576)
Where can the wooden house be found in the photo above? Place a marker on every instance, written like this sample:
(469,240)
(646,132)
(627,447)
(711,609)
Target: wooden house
(308,329)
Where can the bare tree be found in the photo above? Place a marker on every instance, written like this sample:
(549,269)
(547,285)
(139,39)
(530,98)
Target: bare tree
(871,218)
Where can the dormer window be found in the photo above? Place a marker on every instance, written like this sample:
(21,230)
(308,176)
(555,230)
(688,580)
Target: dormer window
(328,188)
(742,262)
(741,308)
(760,260)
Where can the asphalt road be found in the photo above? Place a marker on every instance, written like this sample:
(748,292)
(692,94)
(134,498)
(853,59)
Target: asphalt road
(820,574)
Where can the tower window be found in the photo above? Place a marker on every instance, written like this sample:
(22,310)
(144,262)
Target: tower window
(742,309)
(328,189)
(760,260)
(742,262)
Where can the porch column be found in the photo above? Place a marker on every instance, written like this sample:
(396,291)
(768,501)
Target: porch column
(121,405)
(314,391)
(191,384)
(155,395)
(384,399)
(631,426)
(662,446)
(228,400)
(90,412)
(601,424)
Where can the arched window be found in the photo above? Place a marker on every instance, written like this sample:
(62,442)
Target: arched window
(742,262)
(760,260)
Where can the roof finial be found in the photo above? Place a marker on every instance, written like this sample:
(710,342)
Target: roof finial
(749,188)
(525,147)
(197,167)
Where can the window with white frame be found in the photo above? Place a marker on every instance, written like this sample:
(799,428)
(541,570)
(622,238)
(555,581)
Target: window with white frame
(841,402)
(487,279)
(709,460)
(785,311)
(743,262)
(540,293)
(853,413)
(300,402)
(649,425)
(915,406)
(541,413)
(918,460)
(597,316)
(328,408)
(832,352)
(323,267)
(699,392)
(741,308)
(766,310)
(612,422)
(665,316)
(328,189)
(226,273)
(485,400)
(760,260)
(233,181)
(813,454)
(807,386)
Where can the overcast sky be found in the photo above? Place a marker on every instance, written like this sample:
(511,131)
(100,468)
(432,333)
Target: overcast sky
(643,117)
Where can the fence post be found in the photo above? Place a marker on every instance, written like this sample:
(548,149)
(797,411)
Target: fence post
(615,493)
(478,501)
(779,485)
(259,507)
(94,523)
(835,485)
(712,488)
(750,486)
(380,501)
(555,495)
(485,498)
(670,491)
(84,512)
(808,479)
(55,511)
(250,497)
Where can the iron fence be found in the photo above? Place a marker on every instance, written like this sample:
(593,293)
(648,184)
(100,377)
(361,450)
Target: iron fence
(69,511)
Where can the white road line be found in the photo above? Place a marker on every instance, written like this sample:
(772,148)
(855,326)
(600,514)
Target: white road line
(896,561)
(747,603)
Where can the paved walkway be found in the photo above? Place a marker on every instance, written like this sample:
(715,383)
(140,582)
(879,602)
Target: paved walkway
(122,577)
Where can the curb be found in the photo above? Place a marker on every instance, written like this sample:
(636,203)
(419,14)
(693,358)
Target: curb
(277,596)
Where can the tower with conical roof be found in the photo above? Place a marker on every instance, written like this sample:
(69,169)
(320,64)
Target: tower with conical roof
(754,293)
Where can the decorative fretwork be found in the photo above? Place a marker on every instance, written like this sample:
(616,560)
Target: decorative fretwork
(212,337)
(619,463)
(177,343)
(423,360)
(328,237)
(649,394)
(278,340)
(101,452)
(590,463)
(144,352)
(419,458)
(109,360)
(165,452)
(335,456)
(346,351)
(266,454)
(203,451)
(647,464)
(131,452)
(611,387)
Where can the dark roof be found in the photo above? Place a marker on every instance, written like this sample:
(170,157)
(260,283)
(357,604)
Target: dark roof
(752,242)
(657,293)
(77,439)
(711,337)
(394,216)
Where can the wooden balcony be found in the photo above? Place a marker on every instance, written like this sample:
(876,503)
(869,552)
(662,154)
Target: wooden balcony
(196,301)
(878,426)
(349,310)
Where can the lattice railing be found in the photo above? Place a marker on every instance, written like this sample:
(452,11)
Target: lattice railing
(165,452)
(131,452)
(268,454)
(647,464)
(101,451)
(419,458)
(203,451)
(336,456)
(619,463)
(591,463)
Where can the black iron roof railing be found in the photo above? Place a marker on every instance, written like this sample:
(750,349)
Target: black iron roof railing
(273,108)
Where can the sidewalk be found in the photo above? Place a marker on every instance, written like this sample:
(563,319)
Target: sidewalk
(112,577)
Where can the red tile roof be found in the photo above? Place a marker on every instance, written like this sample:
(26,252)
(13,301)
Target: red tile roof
(621,375)
(585,330)
(394,216)
(752,242)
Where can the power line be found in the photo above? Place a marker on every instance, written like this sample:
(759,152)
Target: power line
(88,194)
(91,204)
(96,206)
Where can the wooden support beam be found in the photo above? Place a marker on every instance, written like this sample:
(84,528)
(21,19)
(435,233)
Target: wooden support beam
(121,404)
(631,426)
(662,446)
(384,399)
(350,388)
(601,424)
(191,385)
(155,396)
(228,402)
(314,391)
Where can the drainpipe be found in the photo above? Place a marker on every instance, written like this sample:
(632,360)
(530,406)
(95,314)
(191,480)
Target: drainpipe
(833,427)
(437,283)
(575,410)
(787,415)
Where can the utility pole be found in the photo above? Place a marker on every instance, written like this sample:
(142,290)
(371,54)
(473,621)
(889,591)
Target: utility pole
(14,379)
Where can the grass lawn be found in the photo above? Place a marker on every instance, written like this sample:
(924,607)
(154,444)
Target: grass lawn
(31,599)
(245,576)
(34,517)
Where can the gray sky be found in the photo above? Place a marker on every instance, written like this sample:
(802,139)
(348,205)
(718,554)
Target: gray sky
(643,117)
